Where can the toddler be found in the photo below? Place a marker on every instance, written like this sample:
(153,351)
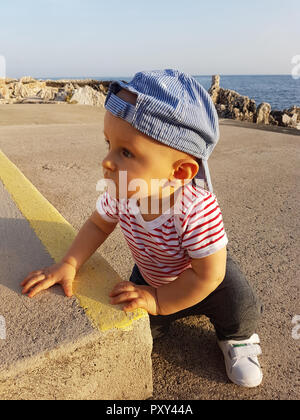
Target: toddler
(160,130)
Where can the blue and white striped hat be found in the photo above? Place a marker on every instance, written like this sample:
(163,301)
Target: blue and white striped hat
(172,108)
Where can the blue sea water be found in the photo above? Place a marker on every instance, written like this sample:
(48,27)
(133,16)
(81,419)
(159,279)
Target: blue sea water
(280,91)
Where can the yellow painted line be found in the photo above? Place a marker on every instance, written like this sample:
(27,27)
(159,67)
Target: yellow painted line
(95,279)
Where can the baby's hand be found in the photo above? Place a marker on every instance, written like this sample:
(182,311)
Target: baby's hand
(61,273)
(135,297)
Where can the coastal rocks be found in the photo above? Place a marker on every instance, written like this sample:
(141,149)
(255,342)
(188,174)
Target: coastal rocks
(263,114)
(4,92)
(29,90)
(32,89)
(286,118)
(230,104)
(27,79)
(87,96)
(26,89)
(215,89)
(95,84)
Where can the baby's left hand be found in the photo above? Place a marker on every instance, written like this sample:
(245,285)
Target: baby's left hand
(135,297)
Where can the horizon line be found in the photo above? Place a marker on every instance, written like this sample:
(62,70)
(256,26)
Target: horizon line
(130,76)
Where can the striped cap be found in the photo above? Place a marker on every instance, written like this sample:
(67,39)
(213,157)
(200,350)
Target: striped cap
(172,108)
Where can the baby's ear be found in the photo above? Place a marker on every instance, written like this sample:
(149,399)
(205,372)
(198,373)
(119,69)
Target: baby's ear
(186,169)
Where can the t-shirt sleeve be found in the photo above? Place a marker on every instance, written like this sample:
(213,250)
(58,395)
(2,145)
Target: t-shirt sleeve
(203,228)
(107,207)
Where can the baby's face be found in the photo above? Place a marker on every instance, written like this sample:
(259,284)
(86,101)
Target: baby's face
(134,160)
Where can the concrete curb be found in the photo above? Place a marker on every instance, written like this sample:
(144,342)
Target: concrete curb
(57,347)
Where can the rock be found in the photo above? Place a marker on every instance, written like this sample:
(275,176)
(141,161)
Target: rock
(238,107)
(289,121)
(276,116)
(27,79)
(21,91)
(65,94)
(101,86)
(10,80)
(230,104)
(69,88)
(27,90)
(61,96)
(216,81)
(263,114)
(272,120)
(221,109)
(88,96)
(215,88)
(34,100)
(47,93)
(4,91)
(294,110)
(286,118)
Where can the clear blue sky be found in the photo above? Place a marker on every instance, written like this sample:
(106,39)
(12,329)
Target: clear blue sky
(48,38)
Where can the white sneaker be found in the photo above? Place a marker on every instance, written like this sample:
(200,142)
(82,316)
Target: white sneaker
(241,361)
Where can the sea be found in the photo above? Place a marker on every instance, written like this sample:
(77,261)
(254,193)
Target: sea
(280,91)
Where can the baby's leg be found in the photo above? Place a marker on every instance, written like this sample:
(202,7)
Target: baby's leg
(233,308)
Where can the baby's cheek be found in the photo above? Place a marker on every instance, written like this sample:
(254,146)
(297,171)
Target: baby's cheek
(137,189)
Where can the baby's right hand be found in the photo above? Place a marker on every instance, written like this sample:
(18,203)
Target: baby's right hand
(61,273)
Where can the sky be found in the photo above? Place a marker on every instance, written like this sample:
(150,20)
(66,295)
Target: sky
(102,38)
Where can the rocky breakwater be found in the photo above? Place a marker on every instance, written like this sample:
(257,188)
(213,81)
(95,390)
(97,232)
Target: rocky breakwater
(29,90)
(230,104)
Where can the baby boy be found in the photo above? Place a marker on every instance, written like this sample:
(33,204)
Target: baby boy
(160,130)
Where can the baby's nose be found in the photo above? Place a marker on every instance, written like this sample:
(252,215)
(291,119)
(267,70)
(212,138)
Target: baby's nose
(109,164)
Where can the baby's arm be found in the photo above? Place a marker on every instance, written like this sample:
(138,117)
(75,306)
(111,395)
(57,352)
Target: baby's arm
(92,234)
(191,287)
(194,284)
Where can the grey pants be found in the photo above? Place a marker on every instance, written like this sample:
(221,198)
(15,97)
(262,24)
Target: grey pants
(232,308)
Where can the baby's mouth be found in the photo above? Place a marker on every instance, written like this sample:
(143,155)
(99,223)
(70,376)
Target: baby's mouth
(110,179)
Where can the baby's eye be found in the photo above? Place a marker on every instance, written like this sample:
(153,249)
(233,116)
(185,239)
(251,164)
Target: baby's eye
(127,153)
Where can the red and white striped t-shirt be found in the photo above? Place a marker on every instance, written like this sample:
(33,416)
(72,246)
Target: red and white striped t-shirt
(163,248)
